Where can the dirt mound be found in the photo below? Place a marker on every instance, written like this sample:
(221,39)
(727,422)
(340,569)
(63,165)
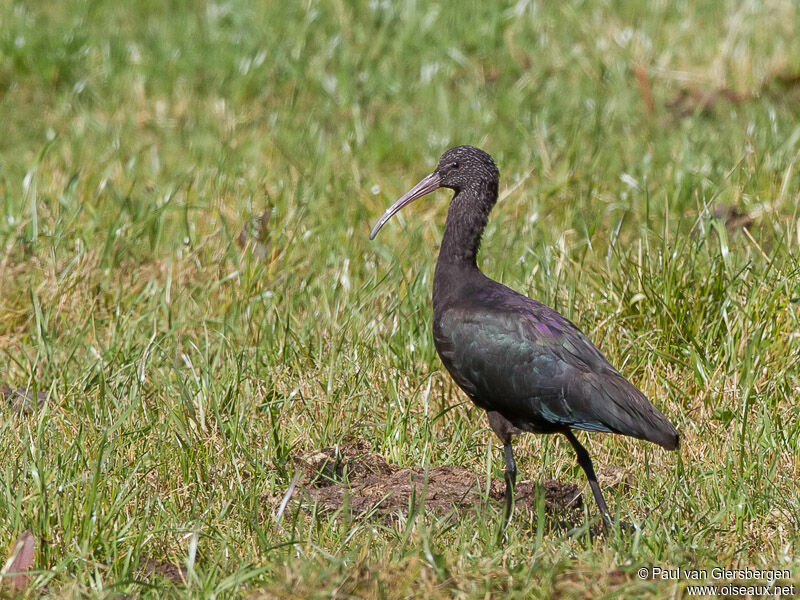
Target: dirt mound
(350,475)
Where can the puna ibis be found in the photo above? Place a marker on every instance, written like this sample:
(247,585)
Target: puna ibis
(526,365)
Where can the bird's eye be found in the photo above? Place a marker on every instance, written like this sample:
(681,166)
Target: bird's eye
(454,165)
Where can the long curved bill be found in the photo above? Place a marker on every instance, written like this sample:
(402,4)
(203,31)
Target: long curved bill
(426,186)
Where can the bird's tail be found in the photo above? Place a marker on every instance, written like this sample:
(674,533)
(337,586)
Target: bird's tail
(627,411)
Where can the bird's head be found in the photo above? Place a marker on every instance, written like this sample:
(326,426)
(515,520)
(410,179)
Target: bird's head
(459,167)
(463,166)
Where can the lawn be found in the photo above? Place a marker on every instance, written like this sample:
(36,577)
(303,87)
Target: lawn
(186,193)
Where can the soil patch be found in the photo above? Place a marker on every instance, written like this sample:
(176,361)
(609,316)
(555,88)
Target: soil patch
(351,476)
(21,400)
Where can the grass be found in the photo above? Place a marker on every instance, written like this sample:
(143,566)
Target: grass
(186,373)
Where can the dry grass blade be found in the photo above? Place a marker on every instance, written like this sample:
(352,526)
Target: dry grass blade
(286,497)
(643,82)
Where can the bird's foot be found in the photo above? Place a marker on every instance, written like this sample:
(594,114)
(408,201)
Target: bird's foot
(603,529)
(611,525)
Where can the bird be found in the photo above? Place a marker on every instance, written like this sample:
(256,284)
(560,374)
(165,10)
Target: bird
(529,367)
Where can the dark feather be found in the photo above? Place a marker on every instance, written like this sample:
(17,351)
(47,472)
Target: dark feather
(514,355)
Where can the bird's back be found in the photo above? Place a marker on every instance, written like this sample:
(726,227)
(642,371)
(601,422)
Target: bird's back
(514,355)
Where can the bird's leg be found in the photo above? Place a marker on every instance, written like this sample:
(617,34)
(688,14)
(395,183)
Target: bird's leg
(586,463)
(511,478)
(504,429)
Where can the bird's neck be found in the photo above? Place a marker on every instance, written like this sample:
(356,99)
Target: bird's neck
(466,220)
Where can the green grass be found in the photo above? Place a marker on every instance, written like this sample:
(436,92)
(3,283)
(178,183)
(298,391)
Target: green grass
(186,373)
